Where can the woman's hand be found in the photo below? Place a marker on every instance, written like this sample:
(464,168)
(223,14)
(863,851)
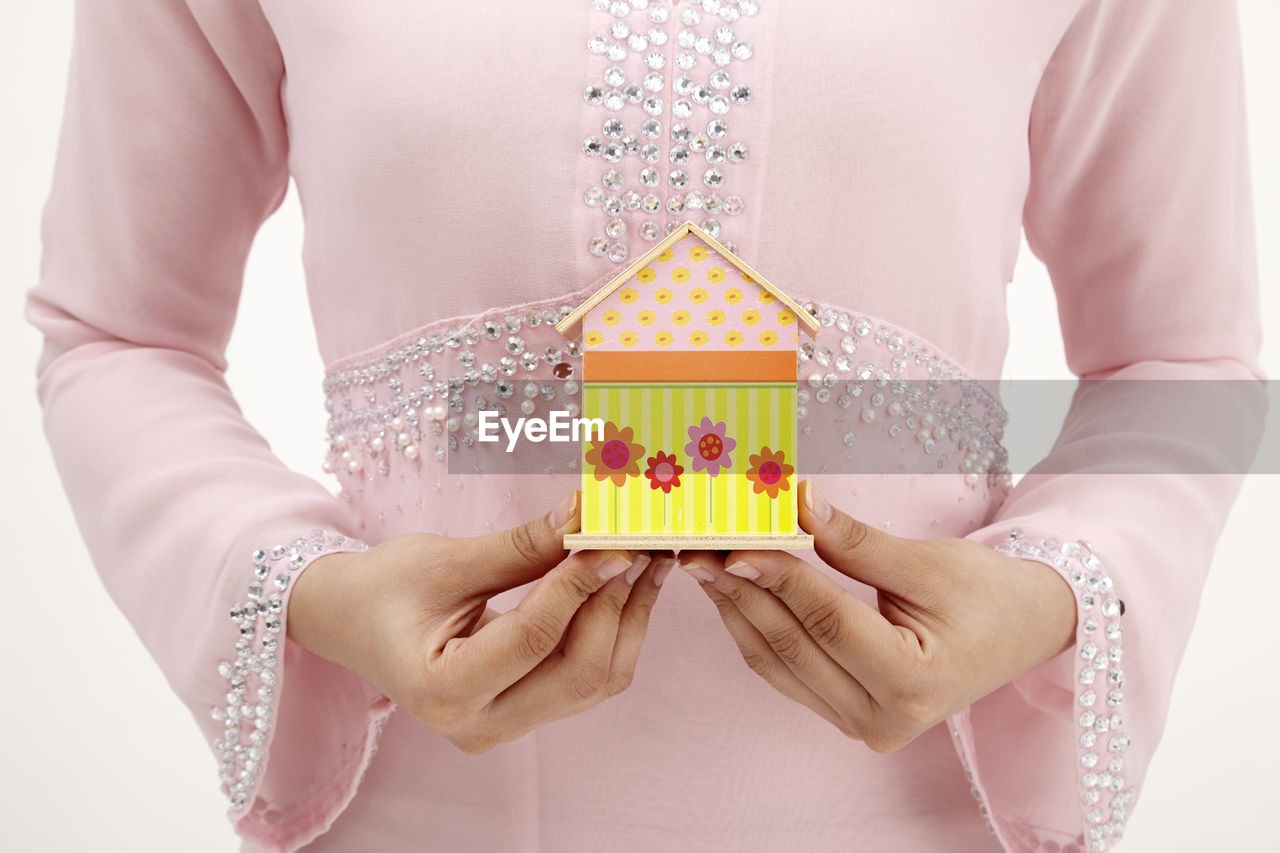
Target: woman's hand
(410,616)
(956,620)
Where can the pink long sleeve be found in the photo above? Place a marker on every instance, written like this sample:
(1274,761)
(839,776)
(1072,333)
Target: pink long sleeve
(1139,204)
(173,151)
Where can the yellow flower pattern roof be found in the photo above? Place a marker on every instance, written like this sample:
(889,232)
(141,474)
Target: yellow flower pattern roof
(690,297)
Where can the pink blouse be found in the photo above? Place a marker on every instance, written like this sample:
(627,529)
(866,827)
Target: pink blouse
(467,173)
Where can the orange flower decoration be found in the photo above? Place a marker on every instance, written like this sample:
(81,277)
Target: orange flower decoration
(615,457)
(680,275)
(715,275)
(628,295)
(769,472)
(662,295)
(697,253)
(646,275)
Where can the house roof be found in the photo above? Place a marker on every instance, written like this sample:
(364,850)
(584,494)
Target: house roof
(570,325)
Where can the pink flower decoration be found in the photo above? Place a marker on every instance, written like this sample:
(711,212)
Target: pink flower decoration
(709,447)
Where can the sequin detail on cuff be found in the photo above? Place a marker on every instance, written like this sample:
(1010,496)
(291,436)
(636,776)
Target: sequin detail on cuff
(1099,693)
(252,675)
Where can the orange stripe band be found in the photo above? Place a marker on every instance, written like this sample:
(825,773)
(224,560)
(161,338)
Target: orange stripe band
(690,366)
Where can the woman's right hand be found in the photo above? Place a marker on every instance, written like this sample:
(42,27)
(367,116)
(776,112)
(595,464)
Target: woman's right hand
(410,616)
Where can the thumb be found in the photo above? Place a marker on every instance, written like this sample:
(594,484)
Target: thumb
(856,549)
(510,558)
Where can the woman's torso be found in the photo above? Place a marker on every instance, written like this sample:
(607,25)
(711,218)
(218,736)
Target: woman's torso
(441,152)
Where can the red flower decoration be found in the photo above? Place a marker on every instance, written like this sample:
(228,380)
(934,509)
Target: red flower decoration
(664,473)
(769,472)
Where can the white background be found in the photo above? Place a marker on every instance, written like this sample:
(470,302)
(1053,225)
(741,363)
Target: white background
(99,755)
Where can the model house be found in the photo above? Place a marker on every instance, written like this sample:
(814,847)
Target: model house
(690,362)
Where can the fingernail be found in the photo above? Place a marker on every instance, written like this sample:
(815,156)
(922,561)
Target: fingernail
(560,516)
(743,570)
(663,569)
(700,574)
(816,503)
(614,566)
(637,566)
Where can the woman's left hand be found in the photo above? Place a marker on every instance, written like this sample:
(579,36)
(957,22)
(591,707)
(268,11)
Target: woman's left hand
(956,620)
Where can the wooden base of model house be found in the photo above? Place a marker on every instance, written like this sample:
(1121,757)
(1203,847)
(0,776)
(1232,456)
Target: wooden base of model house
(689,542)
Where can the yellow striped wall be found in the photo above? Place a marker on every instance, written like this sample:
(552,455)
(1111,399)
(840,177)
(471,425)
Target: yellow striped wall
(756,415)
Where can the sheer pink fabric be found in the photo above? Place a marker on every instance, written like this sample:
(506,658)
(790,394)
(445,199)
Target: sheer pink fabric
(894,153)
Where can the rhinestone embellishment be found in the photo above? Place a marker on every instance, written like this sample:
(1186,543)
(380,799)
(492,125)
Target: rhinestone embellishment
(251,674)
(868,388)
(673,76)
(424,396)
(1102,738)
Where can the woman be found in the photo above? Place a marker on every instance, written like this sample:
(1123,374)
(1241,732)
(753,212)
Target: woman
(467,176)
